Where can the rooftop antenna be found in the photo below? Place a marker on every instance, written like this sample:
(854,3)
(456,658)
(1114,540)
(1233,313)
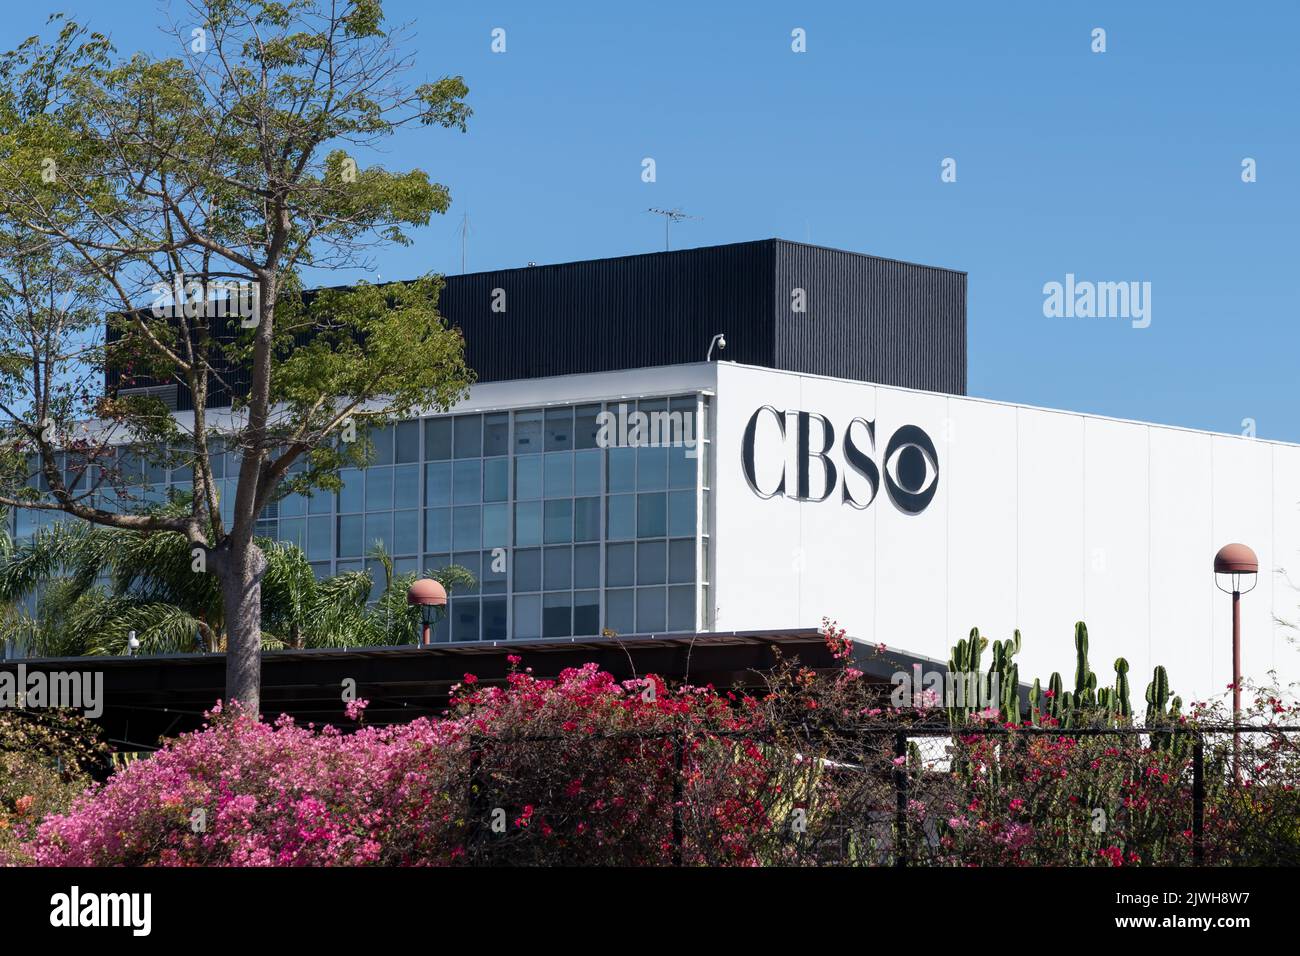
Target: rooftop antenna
(463,229)
(671,216)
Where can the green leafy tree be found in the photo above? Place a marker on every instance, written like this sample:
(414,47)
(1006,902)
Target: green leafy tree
(186,194)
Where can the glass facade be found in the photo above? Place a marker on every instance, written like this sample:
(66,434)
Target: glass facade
(568,531)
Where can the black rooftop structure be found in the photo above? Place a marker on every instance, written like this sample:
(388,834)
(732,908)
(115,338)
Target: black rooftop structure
(150,697)
(864,317)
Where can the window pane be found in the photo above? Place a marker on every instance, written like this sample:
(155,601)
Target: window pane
(294,531)
(442,630)
(586,613)
(496,434)
(469,436)
(586,472)
(528,570)
(650,610)
(557,615)
(437,529)
(291,506)
(319,539)
(620,565)
(528,477)
(528,523)
(496,479)
(586,566)
(496,525)
(464,619)
(406,486)
(586,426)
(471,562)
(379,529)
(467,481)
(651,557)
(559,429)
(377,580)
(493,579)
(557,569)
(406,532)
(528,432)
(559,475)
(494,619)
(586,519)
(620,611)
(437,439)
(681,468)
(528,616)
(352,494)
(379,489)
(681,561)
(350,536)
(321,503)
(681,513)
(651,469)
(622,469)
(558,521)
(408,442)
(651,521)
(382,439)
(437,483)
(621,520)
(466,527)
(681,609)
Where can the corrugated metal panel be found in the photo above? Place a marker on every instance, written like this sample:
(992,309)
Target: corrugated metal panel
(871,319)
(605,314)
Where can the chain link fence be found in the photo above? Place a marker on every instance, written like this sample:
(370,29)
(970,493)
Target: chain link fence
(888,796)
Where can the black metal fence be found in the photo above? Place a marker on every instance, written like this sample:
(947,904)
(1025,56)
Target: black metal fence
(889,796)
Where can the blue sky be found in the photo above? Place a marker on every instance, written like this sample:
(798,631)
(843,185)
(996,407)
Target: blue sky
(1115,166)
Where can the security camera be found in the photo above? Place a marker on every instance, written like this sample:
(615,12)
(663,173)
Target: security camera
(719,340)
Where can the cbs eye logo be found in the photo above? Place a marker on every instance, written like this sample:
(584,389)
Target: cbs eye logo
(910,465)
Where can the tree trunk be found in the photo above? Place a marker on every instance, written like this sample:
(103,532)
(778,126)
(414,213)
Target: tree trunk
(240,572)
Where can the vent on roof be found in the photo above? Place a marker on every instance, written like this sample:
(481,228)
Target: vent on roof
(166,392)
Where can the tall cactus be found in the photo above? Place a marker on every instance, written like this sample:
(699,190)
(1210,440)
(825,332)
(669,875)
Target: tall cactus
(1086,705)
(1123,707)
(1085,681)
(1157,697)
(963,666)
(1008,676)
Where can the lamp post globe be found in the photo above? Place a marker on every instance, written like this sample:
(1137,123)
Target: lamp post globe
(429,596)
(1235,571)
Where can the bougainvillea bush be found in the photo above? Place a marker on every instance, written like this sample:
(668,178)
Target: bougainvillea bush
(46,761)
(818,769)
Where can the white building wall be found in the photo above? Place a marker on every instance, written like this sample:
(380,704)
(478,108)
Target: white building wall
(1040,519)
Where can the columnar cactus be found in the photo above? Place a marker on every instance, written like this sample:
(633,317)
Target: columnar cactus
(1122,707)
(1085,681)
(1157,697)
(964,666)
(1086,705)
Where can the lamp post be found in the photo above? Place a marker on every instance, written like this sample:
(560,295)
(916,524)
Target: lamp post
(428,595)
(1235,570)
